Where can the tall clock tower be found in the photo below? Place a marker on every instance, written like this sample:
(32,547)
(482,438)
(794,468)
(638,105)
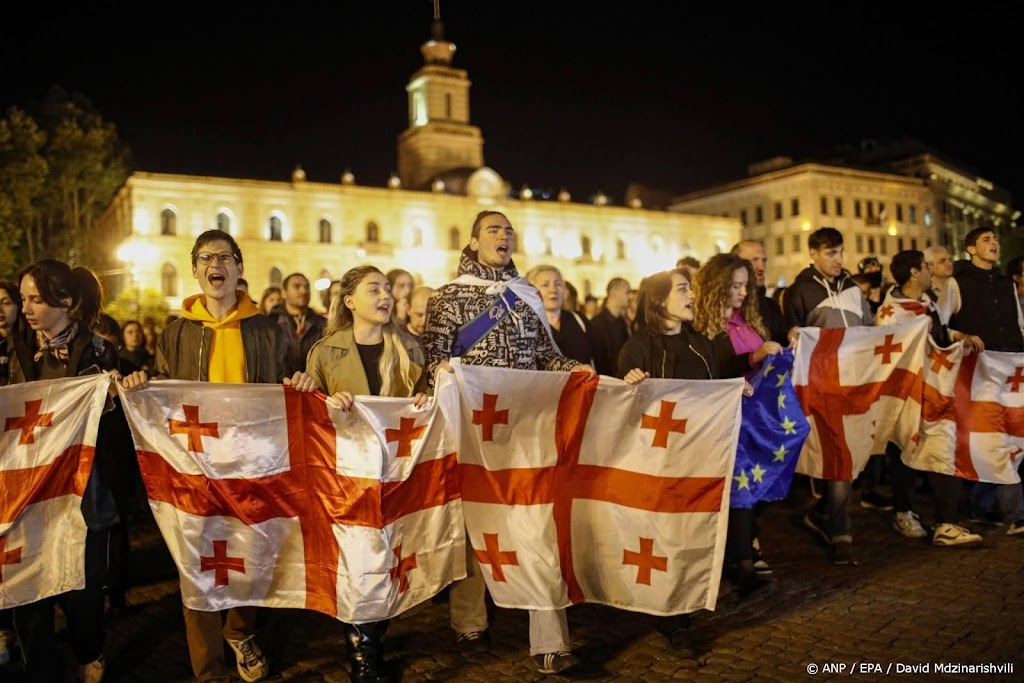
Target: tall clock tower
(439,137)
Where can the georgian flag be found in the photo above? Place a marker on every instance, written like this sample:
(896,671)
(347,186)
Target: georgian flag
(972,425)
(596,491)
(48,443)
(860,387)
(267,496)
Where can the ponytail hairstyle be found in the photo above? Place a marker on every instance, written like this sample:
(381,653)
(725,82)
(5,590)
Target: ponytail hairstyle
(61,286)
(712,288)
(394,357)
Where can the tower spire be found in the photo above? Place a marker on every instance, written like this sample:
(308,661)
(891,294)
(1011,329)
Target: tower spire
(437,50)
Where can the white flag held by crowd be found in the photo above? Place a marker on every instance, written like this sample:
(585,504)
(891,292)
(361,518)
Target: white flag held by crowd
(860,387)
(973,417)
(596,491)
(47,446)
(268,496)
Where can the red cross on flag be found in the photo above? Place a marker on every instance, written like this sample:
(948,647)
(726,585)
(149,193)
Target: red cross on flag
(972,425)
(860,387)
(267,496)
(597,491)
(47,446)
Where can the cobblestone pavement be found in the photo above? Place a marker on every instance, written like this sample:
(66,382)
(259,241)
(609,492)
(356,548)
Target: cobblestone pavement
(906,603)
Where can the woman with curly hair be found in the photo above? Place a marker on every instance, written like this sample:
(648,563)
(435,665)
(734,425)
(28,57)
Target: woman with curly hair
(726,312)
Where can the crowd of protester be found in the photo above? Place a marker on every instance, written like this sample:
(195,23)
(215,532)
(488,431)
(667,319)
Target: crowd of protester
(388,334)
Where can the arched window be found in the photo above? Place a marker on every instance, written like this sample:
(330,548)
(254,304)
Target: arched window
(223,222)
(168,222)
(548,247)
(325,231)
(620,249)
(275,229)
(585,245)
(372,232)
(169,280)
(454,239)
(275,277)
(417,236)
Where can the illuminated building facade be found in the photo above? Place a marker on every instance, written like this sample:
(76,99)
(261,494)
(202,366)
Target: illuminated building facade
(420,221)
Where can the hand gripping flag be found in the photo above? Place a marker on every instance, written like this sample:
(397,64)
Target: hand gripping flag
(854,385)
(596,490)
(267,496)
(771,435)
(972,425)
(47,446)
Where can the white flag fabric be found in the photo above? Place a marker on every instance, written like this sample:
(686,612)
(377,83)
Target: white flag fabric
(860,387)
(267,496)
(596,491)
(973,419)
(48,443)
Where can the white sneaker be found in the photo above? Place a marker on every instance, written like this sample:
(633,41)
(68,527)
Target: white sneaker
(6,645)
(952,535)
(252,665)
(92,672)
(907,524)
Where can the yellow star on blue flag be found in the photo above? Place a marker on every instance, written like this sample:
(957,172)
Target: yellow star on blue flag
(758,473)
(780,455)
(788,425)
(742,480)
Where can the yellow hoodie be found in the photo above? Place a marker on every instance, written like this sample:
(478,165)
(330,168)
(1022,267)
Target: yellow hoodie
(227,355)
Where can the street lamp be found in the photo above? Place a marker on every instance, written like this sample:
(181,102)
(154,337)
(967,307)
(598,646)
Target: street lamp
(136,254)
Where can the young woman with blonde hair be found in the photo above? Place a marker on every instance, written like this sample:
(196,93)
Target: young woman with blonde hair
(363,352)
(726,312)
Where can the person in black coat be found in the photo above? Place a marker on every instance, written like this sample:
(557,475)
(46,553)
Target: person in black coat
(570,330)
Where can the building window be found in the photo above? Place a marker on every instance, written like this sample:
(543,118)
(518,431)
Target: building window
(928,243)
(778,211)
(780,246)
(899,244)
(743,217)
(856,208)
(839,206)
(585,245)
(794,206)
(169,280)
(913,243)
(928,217)
(223,222)
(275,277)
(824,206)
(548,248)
(448,106)
(168,222)
(871,209)
(883,245)
(454,239)
(758,215)
(325,231)
(881,209)
(913,215)
(275,229)
(899,213)
(372,232)
(620,250)
(796,243)
(417,236)
(871,244)
(860,244)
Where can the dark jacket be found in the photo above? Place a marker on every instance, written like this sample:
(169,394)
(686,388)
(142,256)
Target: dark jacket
(813,301)
(183,351)
(649,353)
(609,334)
(298,345)
(86,353)
(518,341)
(771,314)
(573,337)
(988,308)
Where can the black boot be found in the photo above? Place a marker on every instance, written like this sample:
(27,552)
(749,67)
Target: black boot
(366,651)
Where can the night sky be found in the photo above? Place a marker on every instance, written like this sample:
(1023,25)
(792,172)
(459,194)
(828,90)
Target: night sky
(566,93)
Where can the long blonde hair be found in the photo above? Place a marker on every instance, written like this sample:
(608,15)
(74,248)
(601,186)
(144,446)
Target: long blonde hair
(394,356)
(712,287)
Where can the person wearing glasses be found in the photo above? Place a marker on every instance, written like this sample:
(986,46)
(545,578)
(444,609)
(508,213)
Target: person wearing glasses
(221,337)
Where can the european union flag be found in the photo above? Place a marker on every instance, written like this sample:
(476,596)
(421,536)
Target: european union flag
(771,435)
